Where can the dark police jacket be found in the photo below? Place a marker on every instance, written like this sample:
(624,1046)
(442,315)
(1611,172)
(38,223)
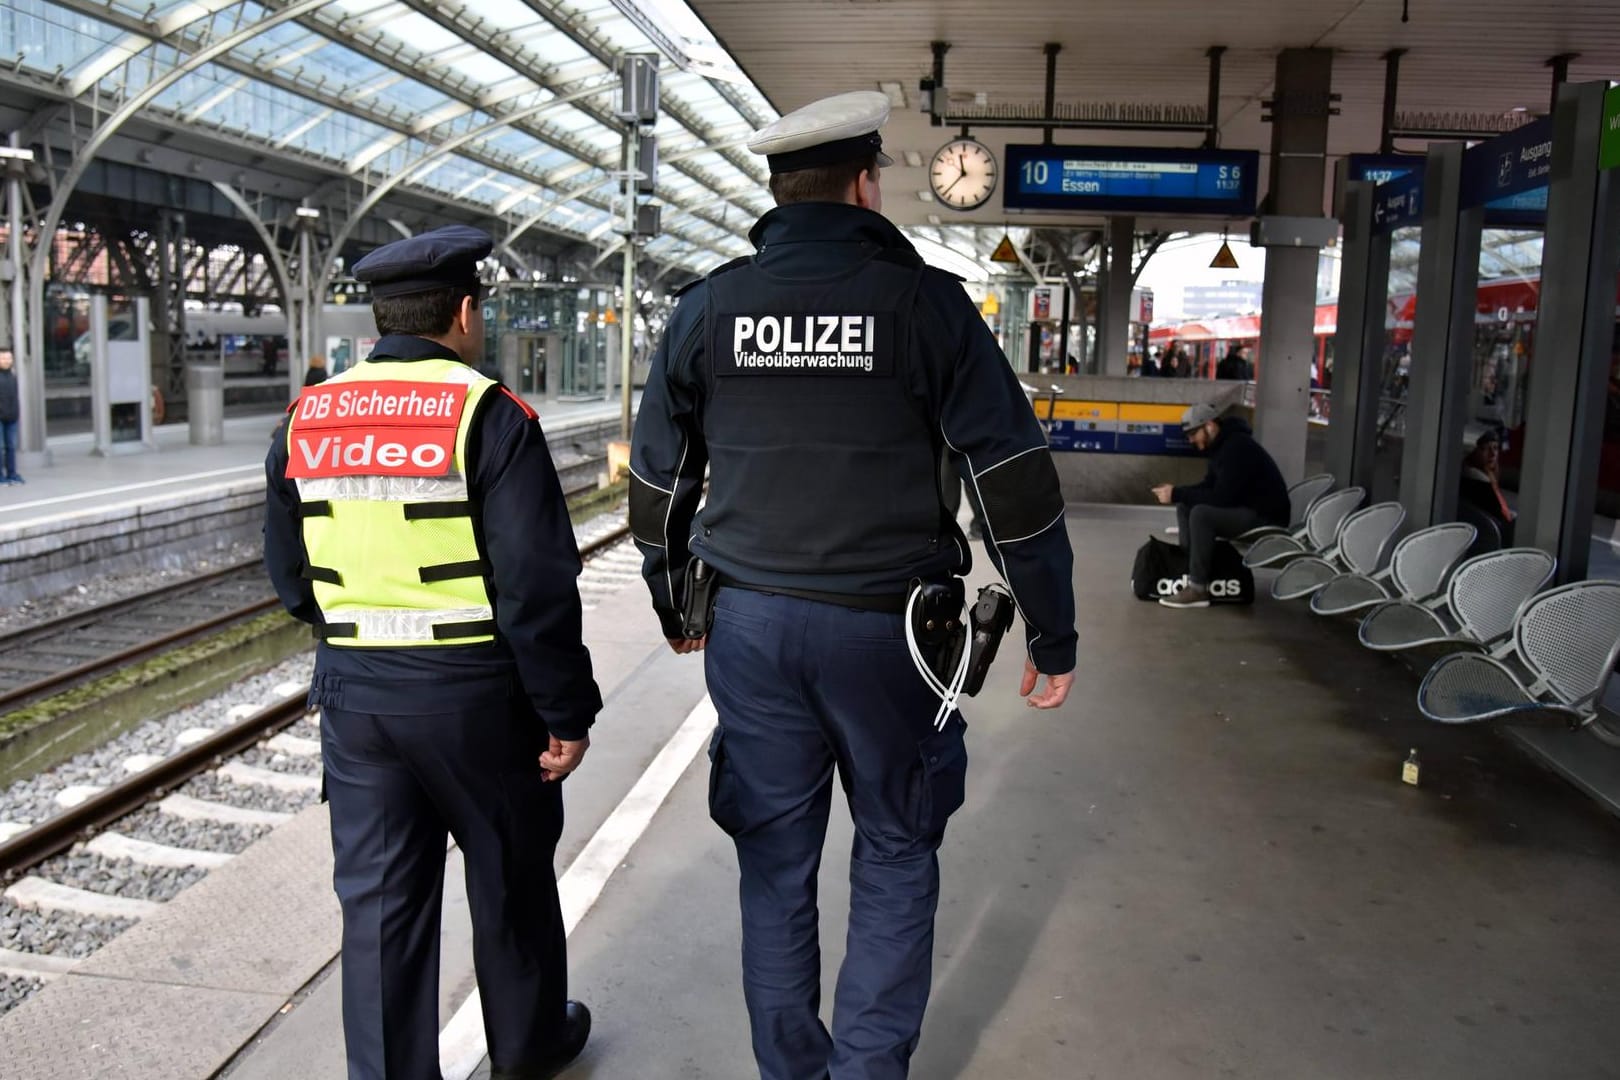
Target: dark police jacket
(1241,473)
(523,532)
(10,408)
(819,381)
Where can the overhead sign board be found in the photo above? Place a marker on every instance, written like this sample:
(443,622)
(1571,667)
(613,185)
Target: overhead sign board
(1609,155)
(1509,175)
(1131,180)
(1110,427)
(1382,168)
(1398,204)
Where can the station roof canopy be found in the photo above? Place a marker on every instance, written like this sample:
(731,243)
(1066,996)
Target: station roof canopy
(1466,62)
(499,109)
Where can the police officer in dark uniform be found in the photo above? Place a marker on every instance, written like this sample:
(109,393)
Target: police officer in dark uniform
(820,382)
(415,519)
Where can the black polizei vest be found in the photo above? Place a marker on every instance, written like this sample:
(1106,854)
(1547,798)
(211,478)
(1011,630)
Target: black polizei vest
(822,441)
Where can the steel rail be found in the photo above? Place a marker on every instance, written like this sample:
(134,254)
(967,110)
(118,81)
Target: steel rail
(135,653)
(83,616)
(62,831)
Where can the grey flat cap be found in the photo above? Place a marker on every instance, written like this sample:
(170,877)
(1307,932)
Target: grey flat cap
(843,127)
(1197,415)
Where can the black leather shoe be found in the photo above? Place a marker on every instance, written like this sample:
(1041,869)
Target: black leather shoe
(576,1031)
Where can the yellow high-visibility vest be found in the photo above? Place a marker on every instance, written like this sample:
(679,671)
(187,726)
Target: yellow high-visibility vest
(379,454)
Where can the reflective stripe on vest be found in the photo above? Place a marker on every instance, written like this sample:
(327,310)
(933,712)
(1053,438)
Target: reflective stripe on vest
(385,573)
(397,627)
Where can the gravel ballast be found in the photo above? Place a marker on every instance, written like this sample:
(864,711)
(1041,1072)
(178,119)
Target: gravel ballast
(215,788)
(55,933)
(15,989)
(34,799)
(118,877)
(157,827)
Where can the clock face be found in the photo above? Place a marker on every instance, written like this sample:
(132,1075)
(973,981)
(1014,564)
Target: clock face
(963,174)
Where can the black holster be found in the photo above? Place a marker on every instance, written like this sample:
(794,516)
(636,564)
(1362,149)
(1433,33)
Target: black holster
(697,612)
(936,623)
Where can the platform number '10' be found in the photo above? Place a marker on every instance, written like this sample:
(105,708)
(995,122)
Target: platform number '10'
(1035,172)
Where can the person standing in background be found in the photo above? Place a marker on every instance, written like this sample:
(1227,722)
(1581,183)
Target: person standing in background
(10,413)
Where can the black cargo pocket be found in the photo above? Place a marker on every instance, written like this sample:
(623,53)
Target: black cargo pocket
(939,781)
(724,808)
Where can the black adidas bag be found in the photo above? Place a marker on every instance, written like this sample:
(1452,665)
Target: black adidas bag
(1161,569)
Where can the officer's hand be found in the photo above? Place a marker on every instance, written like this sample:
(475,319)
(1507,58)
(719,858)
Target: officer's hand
(563,757)
(1057,688)
(1164,492)
(682,646)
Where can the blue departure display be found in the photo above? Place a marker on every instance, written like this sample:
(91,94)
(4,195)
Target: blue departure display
(1382,168)
(1137,180)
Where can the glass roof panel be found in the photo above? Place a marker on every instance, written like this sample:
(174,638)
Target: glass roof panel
(339,137)
(412,95)
(272,44)
(43,36)
(341,65)
(48,37)
(420,32)
(480,67)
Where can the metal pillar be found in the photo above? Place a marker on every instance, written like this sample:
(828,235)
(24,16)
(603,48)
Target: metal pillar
(1114,305)
(1442,343)
(1574,335)
(300,319)
(29,365)
(1299,130)
(1358,349)
(632,146)
(169,302)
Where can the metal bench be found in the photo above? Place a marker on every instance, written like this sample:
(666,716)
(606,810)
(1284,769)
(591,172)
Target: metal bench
(1417,572)
(1480,605)
(1361,547)
(1301,497)
(1322,525)
(1566,642)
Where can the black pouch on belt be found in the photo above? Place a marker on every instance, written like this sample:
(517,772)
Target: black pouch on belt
(697,615)
(936,622)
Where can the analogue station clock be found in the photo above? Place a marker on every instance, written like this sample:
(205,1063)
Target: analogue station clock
(963,174)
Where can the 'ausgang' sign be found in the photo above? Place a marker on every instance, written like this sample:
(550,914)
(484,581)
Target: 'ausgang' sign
(375,429)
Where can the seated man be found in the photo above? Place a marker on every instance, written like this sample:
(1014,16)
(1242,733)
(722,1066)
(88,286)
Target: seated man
(1242,490)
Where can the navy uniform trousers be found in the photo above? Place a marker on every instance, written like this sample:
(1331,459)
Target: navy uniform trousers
(397,785)
(802,687)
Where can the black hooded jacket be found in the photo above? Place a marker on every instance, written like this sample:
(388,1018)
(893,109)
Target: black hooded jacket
(9,405)
(1241,473)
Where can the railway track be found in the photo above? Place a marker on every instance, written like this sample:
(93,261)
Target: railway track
(64,652)
(56,655)
(101,807)
(96,845)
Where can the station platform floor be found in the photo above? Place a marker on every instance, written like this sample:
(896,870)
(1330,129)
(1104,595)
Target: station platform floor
(1205,864)
(73,479)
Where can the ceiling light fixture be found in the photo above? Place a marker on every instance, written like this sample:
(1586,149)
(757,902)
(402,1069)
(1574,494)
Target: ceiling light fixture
(895,93)
(913,158)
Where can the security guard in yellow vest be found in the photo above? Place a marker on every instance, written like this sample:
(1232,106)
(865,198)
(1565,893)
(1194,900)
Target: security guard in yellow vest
(414,518)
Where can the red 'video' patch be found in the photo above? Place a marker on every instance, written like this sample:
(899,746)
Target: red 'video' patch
(375,429)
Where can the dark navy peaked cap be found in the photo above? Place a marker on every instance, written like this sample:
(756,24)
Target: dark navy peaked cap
(438,259)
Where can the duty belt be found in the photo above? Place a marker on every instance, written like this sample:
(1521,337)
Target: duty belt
(886,605)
